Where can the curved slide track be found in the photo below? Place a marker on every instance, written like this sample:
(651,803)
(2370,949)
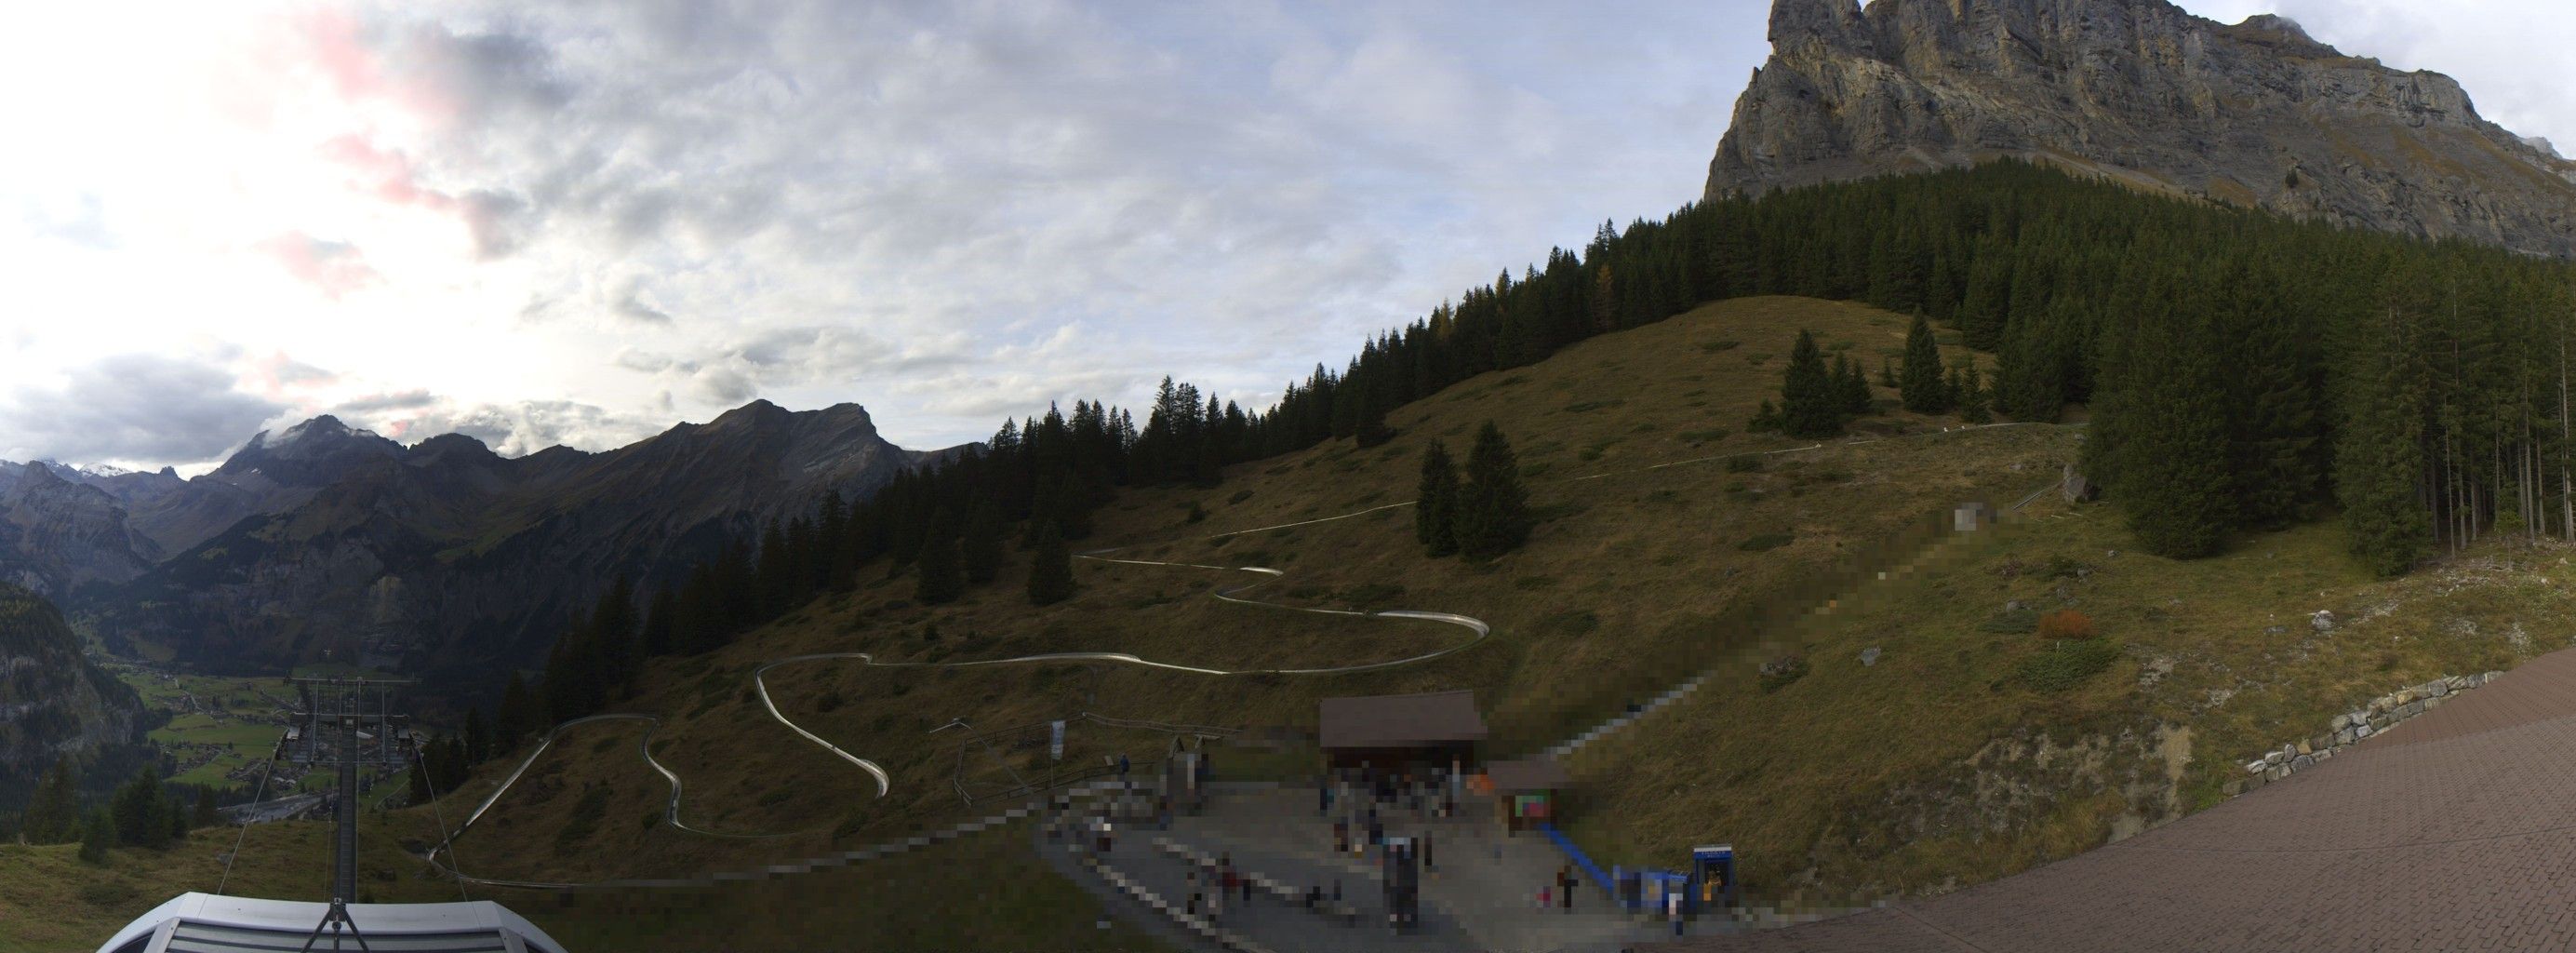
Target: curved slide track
(884,782)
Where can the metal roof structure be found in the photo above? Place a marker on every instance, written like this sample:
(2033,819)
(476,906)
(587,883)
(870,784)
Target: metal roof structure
(206,923)
(1527,774)
(1400,721)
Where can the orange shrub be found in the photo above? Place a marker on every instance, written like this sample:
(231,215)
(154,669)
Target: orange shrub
(2065,624)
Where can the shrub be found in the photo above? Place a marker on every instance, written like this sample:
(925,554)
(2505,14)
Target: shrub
(2011,622)
(1765,542)
(1197,512)
(586,814)
(2066,663)
(1744,464)
(2065,624)
(1238,497)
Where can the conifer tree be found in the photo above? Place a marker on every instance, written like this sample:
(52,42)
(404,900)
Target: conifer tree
(656,638)
(1809,406)
(1975,402)
(1887,373)
(981,548)
(52,815)
(206,815)
(516,719)
(1765,420)
(2379,451)
(943,575)
(141,819)
(1925,388)
(1493,510)
(2160,443)
(98,833)
(478,737)
(1851,387)
(1435,507)
(1050,569)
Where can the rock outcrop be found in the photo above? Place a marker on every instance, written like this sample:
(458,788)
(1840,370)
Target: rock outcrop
(57,535)
(53,701)
(2254,114)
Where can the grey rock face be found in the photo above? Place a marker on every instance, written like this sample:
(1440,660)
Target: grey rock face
(53,702)
(56,534)
(2254,114)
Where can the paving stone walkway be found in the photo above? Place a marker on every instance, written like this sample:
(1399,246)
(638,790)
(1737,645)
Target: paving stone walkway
(2453,831)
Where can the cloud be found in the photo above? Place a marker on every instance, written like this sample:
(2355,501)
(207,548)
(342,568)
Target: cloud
(333,268)
(414,399)
(135,408)
(948,212)
(525,427)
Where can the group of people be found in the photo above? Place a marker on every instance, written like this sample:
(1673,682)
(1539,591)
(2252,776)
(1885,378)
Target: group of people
(1212,884)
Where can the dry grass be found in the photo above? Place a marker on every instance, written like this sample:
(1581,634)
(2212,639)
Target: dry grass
(1936,767)
(1633,579)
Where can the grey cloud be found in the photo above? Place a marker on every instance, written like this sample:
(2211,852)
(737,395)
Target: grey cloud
(495,221)
(517,429)
(134,407)
(724,386)
(376,403)
(487,72)
(1227,194)
(633,308)
(634,360)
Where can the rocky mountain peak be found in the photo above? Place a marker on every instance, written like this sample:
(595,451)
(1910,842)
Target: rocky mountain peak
(2255,114)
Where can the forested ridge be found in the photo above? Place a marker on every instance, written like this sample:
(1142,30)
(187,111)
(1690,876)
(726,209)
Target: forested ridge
(2243,372)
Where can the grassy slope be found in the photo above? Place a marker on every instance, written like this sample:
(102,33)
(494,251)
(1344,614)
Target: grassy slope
(1877,796)
(1632,581)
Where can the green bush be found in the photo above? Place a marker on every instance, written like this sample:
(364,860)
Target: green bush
(1748,463)
(2012,622)
(2066,663)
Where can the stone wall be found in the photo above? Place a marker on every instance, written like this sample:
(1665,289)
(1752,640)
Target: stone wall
(2349,728)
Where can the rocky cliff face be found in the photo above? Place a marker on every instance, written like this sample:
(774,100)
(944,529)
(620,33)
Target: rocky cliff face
(57,535)
(2251,114)
(445,557)
(52,700)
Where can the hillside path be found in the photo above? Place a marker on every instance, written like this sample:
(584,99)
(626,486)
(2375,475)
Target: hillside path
(2453,831)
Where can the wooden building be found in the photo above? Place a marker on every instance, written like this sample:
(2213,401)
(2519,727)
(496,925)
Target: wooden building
(1391,732)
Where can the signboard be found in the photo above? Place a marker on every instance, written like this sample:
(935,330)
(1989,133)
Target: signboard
(1055,741)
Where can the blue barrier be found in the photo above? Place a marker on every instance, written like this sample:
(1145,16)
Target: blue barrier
(1581,862)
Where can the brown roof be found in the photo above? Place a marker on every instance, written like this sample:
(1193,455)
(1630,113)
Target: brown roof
(1399,721)
(1530,774)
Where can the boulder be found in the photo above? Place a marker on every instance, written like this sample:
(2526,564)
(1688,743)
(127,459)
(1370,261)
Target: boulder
(2075,488)
(2323,621)
(1869,656)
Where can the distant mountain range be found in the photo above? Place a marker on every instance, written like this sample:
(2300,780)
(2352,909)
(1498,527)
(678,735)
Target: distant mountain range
(2255,114)
(439,556)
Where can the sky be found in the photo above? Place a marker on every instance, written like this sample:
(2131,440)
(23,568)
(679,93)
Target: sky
(580,224)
